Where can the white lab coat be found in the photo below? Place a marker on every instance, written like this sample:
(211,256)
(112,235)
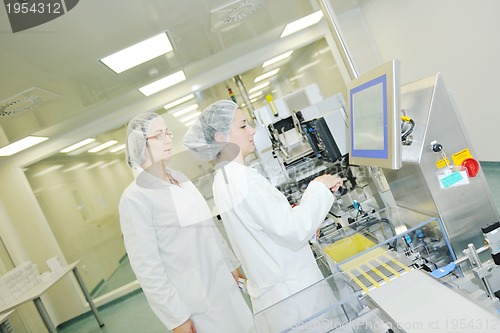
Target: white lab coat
(179,257)
(269,237)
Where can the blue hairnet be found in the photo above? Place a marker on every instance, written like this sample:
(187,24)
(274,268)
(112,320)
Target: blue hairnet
(135,141)
(216,118)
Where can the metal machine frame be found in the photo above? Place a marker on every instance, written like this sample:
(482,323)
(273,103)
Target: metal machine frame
(462,209)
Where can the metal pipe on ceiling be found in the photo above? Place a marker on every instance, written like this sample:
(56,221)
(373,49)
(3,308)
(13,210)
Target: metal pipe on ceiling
(329,14)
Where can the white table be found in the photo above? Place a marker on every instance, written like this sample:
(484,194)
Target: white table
(35,294)
(418,303)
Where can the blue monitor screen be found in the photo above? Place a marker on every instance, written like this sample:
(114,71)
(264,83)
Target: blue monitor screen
(375,118)
(369,130)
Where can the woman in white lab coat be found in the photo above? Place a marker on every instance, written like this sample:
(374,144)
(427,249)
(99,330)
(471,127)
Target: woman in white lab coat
(181,261)
(269,237)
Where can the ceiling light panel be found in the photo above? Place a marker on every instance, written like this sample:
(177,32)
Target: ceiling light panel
(48,169)
(276,59)
(296,77)
(189,123)
(75,167)
(84,149)
(118,148)
(138,53)
(309,65)
(96,164)
(77,145)
(163,83)
(191,116)
(266,75)
(185,110)
(302,23)
(103,146)
(108,164)
(21,145)
(259,87)
(178,101)
(255,95)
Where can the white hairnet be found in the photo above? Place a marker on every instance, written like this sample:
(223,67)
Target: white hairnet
(135,140)
(216,118)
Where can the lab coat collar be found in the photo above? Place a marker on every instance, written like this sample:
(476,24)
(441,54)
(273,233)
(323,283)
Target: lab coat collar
(233,164)
(137,171)
(147,180)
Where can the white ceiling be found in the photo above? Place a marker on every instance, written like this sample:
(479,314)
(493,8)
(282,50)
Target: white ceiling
(55,67)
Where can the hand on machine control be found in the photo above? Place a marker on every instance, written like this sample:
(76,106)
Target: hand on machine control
(333,182)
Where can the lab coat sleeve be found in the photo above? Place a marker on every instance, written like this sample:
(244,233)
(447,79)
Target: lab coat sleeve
(142,249)
(231,260)
(287,226)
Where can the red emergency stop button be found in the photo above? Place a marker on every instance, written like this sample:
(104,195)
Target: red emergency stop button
(472,166)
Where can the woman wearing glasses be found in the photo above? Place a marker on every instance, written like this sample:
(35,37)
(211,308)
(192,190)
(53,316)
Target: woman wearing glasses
(269,237)
(182,263)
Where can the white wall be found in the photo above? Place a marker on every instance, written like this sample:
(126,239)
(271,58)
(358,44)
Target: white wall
(33,240)
(80,207)
(455,37)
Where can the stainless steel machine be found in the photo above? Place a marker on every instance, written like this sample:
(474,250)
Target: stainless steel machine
(463,207)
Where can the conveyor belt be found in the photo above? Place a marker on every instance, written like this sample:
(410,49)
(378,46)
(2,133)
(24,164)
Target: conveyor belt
(367,268)
(373,269)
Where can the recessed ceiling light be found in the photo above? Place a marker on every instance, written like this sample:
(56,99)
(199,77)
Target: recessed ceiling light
(185,110)
(163,83)
(47,170)
(117,148)
(255,95)
(84,149)
(276,59)
(77,145)
(266,75)
(96,164)
(191,116)
(178,101)
(259,87)
(189,123)
(138,53)
(321,51)
(103,146)
(20,145)
(302,23)
(75,167)
(108,164)
(309,65)
(296,77)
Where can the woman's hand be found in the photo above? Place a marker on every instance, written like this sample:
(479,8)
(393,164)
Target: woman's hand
(333,182)
(237,274)
(187,327)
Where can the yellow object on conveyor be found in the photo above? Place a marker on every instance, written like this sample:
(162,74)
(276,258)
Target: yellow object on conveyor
(348,247)
(373,261)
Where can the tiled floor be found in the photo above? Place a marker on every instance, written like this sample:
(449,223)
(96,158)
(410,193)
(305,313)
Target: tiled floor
(132,313)
(129,315)
(120,277)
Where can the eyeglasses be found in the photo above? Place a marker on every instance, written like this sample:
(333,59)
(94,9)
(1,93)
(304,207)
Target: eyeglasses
(161,135)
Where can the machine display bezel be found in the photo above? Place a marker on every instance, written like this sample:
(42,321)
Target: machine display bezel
(385,82)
